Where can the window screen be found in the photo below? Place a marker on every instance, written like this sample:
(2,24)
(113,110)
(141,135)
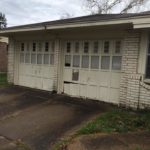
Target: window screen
(46,59)
(39,58)
(95,62)
(75,74)
(96,46)
(27,58)
(33,58)
(68,47)
(106,46)
(76,61)
(105,63)
(116,62)
(118,47)
(67,60)
(52,59)
(22,58)
(86,47)
(85,61)
(77,45)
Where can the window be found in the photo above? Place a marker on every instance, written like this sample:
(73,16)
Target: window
(86,47)
(76,61)
(33,58)
(52,59)
(46,47)
(39,58)
(68,47)
(67,60)
(148,63)
(95,62)
(106,47)
(46,59)
(85,61)
(53,46)
(34,47)
(27,58)
(40,47)
(77,47)
(105,63)
(75,74)
(22,47)
(116,62)
(118,47)
(96,46)
(22,57)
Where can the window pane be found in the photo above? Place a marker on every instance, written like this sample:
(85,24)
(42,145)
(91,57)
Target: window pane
(52,59)
(53,46)
(116,62)
(148,67)
(76,61)
(40,47)
(22,47)
(118,47)
(46,47)
(86,47)
(46,59)
(105,64)
(27,58)
(68,47)
(77,47)
(67,60)
(75,75)
(149,48)
(22,58)
(39,58)
(95,62)
(33,58)
(96,46)
(34,47)
(85,61)
(106,47)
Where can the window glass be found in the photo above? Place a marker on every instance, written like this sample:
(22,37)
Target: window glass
(22,47)
(67,60)
(85,61)
(118,47)
(39,47)
(22,58)
(105,63)
(75,74)
(116,62)
(106,46)
(46,47)
(27,58)
(68,47)
(53,46)
(39,58)
(34,47)
(149,48)
(86,47)
(95,62)
(46,59)
(33,58)
(96,46)
(52,59)
(76,61)
(148,67)
(77,46)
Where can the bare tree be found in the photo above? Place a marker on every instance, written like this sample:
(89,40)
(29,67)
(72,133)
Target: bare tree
(106,6)
(66,15)
(3,21)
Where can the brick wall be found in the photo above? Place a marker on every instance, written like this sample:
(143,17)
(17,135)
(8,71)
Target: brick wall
(3,57)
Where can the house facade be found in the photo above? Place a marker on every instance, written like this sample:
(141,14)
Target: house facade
(100,57)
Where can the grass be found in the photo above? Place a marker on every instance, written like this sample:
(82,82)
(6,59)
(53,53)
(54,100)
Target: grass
(120,121)
(3,80)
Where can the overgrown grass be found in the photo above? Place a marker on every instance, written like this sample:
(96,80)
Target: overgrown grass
(118,121)
(3,80)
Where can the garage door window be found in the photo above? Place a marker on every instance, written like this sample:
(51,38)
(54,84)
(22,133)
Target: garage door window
(85,61)
(94,62)
(118,47)
(22,47)
(27,58)
(77,46)
(34,47)
(68,47)
(96,47)
(33,58)
(67,61)
(105,63)
(86,47)
(46,59)
(75,74)
(106,47)
(46,47)
(76,61)
(116,62)
(52,59)
(22,58)
(39,58)
(39,47)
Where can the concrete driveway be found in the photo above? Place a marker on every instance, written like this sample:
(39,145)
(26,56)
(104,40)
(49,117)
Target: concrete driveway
(35,120)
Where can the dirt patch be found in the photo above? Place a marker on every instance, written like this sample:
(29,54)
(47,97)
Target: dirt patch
(129,141)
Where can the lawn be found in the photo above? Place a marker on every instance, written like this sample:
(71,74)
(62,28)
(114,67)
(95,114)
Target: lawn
(3,79)
(118,120)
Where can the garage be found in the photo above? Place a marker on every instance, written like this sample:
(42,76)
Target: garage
(92,69)
(36,67)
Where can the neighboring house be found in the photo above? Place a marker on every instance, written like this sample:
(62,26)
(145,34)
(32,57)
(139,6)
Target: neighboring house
(102,57)
(3,54)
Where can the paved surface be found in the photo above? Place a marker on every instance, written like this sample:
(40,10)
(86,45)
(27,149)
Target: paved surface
(35,120)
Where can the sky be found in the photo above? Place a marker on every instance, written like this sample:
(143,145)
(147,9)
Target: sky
(20,12)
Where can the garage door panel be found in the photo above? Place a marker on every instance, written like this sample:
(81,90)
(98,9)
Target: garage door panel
(84,76)
(104,94)
(67,89)
(93,92)
(115,79)
(104,79)
(74,89)
(83,91)
(94,76)
(114,94)
(48,84)
(68,75)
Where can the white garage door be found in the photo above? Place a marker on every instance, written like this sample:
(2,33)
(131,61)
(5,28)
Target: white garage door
(92,69)
(36,68)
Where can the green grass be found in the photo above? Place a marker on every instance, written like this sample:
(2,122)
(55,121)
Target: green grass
(118,121)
